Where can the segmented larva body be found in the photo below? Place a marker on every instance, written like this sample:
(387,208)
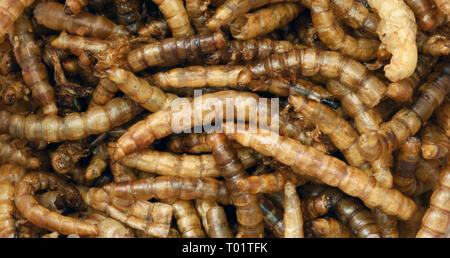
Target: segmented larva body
(406,165)
(402,91)
(11,173)
(329,64)
(232,9)
(273,216)
(436,221)
(188,221)
(366,120)
(138,215)
(176,16)
(204,76)
(435,45)
(108,227)
(443,117)
(332,34)
(10,10)
(51,15)
(169,164)
(34,72)
(269,183)
(74,126)
(98,162)
(330,228)
(328,169)
(74,6)
(159,125)
(264,20)
(248,212)
(428,17)
(104,92)
(150,97)
(293,217)
(443,5)
(386,223)
(128,14)
(341,133)
(243,51)
(435,144)
(40,216)
(10,153)
(198,14)
(407,121)
(173,51)
(7,210)
(356,15)
(170,187)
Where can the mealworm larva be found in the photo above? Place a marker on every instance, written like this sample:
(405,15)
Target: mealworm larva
(269,183)
(386,223)
(248,212)
(108,227)
(156,28)
(402,91)
(292,218)
(328,169)
(127,12)
(243,51)
(197,11)
(10,10)
(73,126)
(98,162)
(263,21)
(435,144)
(443,117)
(428,16)
(330,228)
(104,92)
(407,121)
(406,165)
(204,76)
(170,187)
(315,206)
(172,51)
(51,15)
(7,210)
(436,221)
(232,9)
(34,72)
(273,216)
(9,153)
(74,6)
(397,31)
(121,173)
(11,173)
(366,120)
(188,221)
(42,217)
(332,34)
(137,215)
(169,164)
(330,64)
(428,172)
(435,45)
(356,15)
(158,125)
(67,155)
(341,133)
(176,16)
(150,97)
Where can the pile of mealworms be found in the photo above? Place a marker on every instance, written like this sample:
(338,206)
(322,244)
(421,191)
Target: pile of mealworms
(352,142)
